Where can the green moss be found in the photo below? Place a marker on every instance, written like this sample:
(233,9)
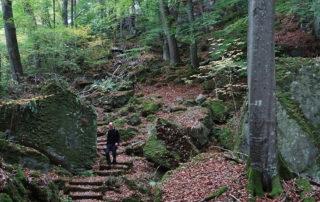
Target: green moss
(151,118)
(149,108)
(220,191)
(165,176)
(5,198)
(225,138)
(156,151)
(63,172)
(218,110)
(276,187)
(305,186)
(254,185)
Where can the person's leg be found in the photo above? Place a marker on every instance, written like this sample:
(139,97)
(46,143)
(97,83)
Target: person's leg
(107,154)
(114,154)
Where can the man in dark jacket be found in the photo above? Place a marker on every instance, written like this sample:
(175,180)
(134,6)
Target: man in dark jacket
(113,139)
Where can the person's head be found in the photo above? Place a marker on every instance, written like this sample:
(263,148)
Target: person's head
(111,126)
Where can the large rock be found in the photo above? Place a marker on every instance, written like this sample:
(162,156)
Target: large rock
(298,116)
(168,145)
(56,124)
(24,156)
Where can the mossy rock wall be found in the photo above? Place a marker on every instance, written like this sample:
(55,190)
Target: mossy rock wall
(298,115)
(59,126)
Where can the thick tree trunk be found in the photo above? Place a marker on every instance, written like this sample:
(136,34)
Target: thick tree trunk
(193,42)
(11,40)
(54,12)
(262,99)
(65,12)
(167,27)
(28,10)
(165,52)
(72,13)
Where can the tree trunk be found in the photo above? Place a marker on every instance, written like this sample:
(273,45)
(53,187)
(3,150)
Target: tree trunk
(65,12)
(11,40)
(193,42)
(121,28)
(169,33)
(75,12)
(262,99)
(72,14)
(206,28)
(165,53)
(28,10)
(54,12)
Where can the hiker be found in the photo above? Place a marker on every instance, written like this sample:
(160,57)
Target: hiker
(113,139)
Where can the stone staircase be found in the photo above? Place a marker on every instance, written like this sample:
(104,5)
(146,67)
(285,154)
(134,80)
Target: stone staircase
(105,178)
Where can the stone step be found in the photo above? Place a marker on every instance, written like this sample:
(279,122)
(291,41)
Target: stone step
(86,195)
(127,163)
(115,172)
(116,166)
(85,188)
(87,181)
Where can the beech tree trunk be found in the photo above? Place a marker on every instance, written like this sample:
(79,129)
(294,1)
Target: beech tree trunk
(262,98)
(193,42)
(72,13)
(65,12)
(201,7)
(167,23)
(11,40)
(54,13)
(165,52)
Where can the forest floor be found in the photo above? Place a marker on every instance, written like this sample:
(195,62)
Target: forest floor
(134,177)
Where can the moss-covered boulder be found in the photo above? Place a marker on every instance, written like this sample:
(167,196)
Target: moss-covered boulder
(149,107)
(298,115)
(168,145)
(24,156)
(134,120)
(117,99)
(57,124)
(36,188)
(219,110)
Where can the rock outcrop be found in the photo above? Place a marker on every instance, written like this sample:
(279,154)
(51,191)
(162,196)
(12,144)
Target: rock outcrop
(57,124)
(298,116)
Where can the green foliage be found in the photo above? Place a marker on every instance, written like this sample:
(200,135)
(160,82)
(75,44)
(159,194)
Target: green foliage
(225,137)
(150,108)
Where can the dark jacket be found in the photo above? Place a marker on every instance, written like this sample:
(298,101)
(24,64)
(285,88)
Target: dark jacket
(113,137)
